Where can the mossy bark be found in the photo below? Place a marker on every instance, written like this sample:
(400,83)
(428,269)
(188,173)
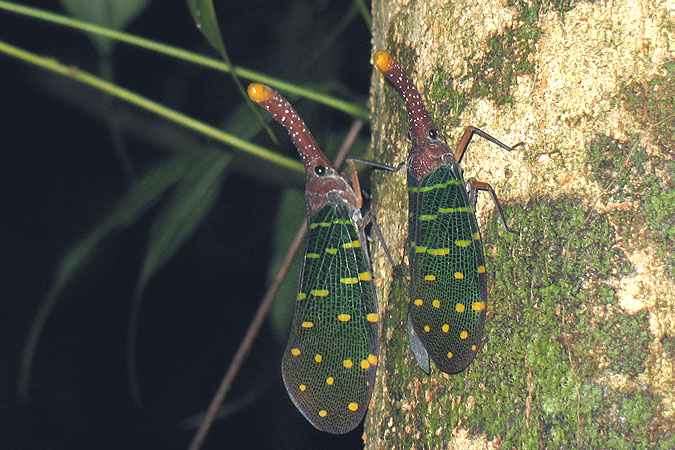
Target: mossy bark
(579,350)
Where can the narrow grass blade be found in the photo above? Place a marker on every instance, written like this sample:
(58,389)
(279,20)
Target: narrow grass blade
(115,14)
(205,18)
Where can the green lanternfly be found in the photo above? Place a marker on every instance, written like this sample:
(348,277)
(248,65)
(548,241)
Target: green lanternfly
(329,364)
(446,311)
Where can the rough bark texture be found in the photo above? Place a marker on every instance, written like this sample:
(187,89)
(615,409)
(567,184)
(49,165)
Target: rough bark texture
(579,349)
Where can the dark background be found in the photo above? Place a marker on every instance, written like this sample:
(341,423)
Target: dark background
(60,177)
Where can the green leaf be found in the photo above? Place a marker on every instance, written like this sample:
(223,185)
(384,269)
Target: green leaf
(190,203)
(290,217)
(140,197)
(205,18)
(241,122)
(116,14)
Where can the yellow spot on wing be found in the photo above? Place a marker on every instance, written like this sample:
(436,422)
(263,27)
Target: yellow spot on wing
(428,217)
(438,251)
(307,324)
(460,308)
(319,224)
(319,292)
(481,269)
(462,243)
(295,351)
(331,251)
(349,280)
(418,302)
(344,317)
(302,296)
(427,328)
(478,306)
(434,186)
(353,406)
(312,255)
(365,364)
(420,249)
(430,277)
(365,276)
(476,236)
(473,347)
(468,209)
(323,413)
(348,363)
(459,275)
(372,317)
(318,358)
(445,328)
(463,335)
(436,303)
(372,359)
(303,387)
(330,381)
(354,244)
(449,355)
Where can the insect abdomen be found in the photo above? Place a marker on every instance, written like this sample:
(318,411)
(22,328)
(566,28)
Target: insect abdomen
(448,283)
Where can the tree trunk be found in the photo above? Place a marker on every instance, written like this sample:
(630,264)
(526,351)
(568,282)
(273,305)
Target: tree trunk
(579,348)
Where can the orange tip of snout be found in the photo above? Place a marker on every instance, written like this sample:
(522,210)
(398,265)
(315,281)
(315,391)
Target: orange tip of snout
(259,92)
(383,61)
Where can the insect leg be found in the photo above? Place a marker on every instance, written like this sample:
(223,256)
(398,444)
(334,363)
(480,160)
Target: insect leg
(466,140)
(378,165)
(369,218)
(355,182)
(473,186)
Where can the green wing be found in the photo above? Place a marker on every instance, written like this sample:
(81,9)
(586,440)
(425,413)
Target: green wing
(448,283)
(330,361)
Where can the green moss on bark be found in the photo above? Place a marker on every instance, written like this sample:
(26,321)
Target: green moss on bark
(449,103)
(642,187)
(554,332)
(551,337)
(653,103)
(507,58)
(509,54)
(650,177)
(529,9)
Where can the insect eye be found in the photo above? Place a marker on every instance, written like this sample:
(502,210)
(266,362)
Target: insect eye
(320,170)
(433,134)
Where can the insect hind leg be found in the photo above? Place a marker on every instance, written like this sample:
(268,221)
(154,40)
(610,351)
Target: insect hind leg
(472,188)
(369,218)
(468,135)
